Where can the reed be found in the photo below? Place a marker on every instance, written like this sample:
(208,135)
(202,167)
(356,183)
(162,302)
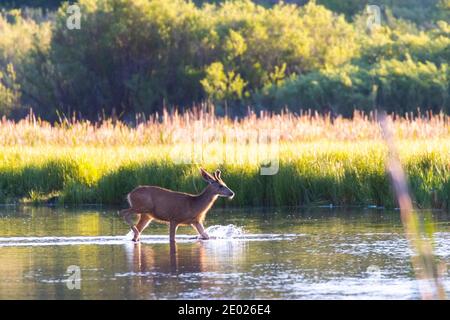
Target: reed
(321,160)
(161,129)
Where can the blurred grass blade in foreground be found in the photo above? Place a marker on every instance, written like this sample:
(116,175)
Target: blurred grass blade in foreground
(427,270)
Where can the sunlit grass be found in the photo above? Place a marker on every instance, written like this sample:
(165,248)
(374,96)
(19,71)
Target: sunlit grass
(175,128)
(339,162)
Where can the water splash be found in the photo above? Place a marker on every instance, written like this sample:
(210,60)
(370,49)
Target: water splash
(215,232)
(225,232)
(230,233)
(129,235)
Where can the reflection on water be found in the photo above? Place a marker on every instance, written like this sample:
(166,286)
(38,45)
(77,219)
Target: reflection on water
(289,253)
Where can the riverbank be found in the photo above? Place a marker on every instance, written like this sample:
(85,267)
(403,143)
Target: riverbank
(314,173)
(268,160)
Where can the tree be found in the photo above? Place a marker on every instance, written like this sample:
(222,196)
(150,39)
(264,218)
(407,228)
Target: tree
(9,91)
(222,86)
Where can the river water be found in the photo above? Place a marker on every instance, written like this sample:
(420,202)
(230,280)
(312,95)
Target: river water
(285,253)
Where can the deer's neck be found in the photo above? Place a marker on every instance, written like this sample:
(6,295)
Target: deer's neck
(204,201)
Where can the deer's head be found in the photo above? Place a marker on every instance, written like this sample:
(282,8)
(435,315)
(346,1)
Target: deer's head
(216,184)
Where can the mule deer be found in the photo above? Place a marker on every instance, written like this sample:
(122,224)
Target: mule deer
(176,208)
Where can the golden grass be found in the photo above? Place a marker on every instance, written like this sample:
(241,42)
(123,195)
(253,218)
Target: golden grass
(321,160)
(166,129)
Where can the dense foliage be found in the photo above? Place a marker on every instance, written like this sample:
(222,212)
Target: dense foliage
(133,56)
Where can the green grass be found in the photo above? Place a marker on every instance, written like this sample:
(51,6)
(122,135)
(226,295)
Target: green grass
(312,173)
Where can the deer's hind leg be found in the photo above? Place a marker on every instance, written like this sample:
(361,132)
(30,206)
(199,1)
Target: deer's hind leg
(127,215)
(173,226)
(143,223)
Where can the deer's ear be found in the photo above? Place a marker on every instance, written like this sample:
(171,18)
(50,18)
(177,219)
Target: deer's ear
(217,175)
(206,176)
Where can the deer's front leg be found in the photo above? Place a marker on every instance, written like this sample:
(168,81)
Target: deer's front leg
(127,215)
(201,231)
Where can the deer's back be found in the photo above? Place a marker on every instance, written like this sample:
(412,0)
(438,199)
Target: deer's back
(162,204)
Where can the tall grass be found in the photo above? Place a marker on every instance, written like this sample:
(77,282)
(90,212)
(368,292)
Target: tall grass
(322,160)
(162,128)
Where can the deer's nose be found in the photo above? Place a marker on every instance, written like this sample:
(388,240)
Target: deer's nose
(231,196)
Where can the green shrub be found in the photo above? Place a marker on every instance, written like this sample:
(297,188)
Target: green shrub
(138,56)
(396,86)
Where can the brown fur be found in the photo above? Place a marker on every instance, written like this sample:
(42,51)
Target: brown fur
(166,205)
(175,208)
